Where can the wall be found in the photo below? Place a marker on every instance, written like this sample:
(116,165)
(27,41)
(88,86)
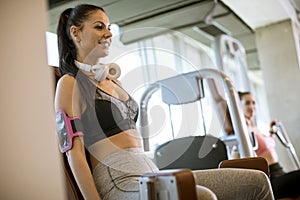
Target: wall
(278,54)
(30,167)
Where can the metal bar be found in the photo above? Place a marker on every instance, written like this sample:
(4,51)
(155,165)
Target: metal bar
(284,139)
(238,121)
(144,123)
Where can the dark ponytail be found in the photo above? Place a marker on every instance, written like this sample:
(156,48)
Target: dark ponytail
(66,47)
(242,94)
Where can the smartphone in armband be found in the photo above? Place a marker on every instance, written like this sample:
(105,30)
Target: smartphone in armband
(67,128)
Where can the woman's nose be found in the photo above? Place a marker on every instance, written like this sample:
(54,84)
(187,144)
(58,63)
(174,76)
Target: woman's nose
(108,34)
(252,106)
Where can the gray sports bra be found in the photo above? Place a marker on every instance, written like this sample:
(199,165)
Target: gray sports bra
(109,117)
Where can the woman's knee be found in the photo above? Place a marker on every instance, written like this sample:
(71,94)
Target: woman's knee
(236,183)
(204,193)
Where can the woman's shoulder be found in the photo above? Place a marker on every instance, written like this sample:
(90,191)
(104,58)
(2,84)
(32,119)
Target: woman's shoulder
(63,94)
(66,81)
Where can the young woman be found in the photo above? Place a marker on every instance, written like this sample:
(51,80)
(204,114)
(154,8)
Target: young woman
(284,184)
(108,115)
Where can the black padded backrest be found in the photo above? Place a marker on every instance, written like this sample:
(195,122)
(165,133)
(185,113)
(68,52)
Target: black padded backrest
(194,152)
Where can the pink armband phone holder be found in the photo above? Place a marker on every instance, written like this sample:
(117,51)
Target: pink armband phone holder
(67,128)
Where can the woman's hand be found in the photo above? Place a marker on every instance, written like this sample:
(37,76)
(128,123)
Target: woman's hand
(273,124)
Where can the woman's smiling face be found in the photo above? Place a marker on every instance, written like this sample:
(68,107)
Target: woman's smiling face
(93,38)
(249,106)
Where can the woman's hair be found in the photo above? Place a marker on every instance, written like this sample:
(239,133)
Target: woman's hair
(66,48)
(241,94)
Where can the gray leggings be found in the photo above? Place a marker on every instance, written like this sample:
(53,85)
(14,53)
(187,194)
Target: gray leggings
(117,178)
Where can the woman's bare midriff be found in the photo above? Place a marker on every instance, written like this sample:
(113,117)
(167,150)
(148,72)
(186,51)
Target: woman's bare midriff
(105,147)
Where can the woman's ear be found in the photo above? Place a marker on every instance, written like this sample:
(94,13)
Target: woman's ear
(74,31)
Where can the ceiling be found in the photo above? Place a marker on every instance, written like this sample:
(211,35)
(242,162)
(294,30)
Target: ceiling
(199,19)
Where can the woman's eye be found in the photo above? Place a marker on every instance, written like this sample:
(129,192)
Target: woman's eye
(99,27)
(247,103)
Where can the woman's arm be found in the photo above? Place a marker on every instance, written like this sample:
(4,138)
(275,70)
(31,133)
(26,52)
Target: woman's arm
(64,99)
(81,170)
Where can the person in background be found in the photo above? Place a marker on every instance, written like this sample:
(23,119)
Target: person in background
(107,114)
(285,185)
